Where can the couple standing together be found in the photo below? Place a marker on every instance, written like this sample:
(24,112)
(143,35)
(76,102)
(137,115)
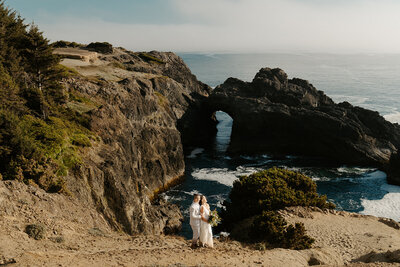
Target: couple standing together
(199,214)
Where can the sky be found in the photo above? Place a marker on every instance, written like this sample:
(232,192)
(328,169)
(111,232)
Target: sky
(252,26)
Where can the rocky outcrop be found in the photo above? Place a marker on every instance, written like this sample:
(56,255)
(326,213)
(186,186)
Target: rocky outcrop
(280,115)
(105,48)
(135,112)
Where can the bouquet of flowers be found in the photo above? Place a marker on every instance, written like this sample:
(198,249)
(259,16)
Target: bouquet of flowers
(214,218)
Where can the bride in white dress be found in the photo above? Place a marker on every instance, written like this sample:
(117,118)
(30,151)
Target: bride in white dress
(206,236)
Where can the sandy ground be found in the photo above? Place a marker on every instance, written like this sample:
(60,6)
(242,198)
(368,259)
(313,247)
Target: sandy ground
(341,238)
(350,235)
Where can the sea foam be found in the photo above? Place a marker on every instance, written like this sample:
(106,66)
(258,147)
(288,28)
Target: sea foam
(393,117)
(222,175)
(387,207)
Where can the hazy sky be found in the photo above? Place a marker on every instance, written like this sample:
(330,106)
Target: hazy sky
(337,26)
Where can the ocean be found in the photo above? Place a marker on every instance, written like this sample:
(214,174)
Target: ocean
(368,80)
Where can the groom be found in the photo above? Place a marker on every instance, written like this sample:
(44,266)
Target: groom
(195,218)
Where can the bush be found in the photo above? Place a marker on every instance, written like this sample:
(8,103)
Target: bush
(40,152)
(254,199)
(272,228)
(36,231)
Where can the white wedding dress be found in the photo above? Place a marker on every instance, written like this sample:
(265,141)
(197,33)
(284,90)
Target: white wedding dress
(206,236)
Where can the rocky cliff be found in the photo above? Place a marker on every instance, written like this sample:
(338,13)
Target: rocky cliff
(280,115)
(135,103)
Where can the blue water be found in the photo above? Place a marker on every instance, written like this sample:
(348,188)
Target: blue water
(370,81)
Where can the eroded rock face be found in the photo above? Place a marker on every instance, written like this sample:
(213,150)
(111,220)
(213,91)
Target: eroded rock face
(280,115)
(139,152)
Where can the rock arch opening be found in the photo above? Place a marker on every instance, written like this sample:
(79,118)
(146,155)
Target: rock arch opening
(224,131)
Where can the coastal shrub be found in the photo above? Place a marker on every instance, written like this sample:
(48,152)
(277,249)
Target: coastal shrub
(272,229)
(35,231)
(271,189)
(37,151)
(255,199)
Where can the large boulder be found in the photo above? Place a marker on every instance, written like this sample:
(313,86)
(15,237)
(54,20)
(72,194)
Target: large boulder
(279,115)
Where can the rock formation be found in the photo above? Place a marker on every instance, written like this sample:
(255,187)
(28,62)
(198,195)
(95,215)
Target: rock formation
(280,115)
(137,102)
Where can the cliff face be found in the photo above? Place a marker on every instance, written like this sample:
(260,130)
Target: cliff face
(276,114)
(137,101)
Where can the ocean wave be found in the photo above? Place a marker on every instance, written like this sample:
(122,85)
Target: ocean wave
(223,175)
(354,170)
(195,152)
(393,117)
(387,207)
(344,173)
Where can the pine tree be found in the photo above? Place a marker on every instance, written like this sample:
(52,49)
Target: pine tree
(43,67)
(41,62)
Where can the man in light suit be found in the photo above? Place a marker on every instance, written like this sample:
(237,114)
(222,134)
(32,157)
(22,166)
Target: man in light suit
(195,219)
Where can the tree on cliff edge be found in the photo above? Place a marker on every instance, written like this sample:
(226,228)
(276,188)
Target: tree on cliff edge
(42,65)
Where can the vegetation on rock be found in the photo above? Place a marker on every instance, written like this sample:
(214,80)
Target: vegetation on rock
(255,201)
(65,44)
(149,58)
(40,136)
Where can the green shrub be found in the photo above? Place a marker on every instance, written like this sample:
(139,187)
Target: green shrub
(36,231)
(40,152)
(272,229)
(255,198)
